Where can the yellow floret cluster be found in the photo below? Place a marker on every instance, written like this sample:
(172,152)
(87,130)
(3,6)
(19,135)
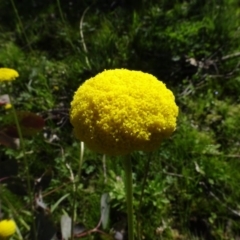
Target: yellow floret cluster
(120,111)
(7,228)
(8,74)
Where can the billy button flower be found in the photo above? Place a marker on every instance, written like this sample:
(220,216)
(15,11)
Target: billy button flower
(7,228)
(8,74)
(120,111)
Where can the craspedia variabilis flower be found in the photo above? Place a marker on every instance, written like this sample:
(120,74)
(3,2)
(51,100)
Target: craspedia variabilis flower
(8,74)
(7,228)
(120,111)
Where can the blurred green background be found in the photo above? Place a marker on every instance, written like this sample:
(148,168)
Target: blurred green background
(189,188)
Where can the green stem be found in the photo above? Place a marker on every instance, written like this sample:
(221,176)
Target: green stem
(127,164)
(22,145)
(146,171)
(79,173)
(20,24)
(60,11)
(65,25)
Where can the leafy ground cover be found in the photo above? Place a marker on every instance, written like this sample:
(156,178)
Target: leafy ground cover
(189,188)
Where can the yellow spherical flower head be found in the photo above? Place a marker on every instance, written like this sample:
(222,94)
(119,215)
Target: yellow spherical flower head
(8,74)
(120,111)
(7,228)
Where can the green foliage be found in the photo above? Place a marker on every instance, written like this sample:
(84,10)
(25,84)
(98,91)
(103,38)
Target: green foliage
(192,180)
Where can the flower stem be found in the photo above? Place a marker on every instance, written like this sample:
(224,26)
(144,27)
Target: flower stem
(75,188)
(127,164)
(143,185)
(22,145)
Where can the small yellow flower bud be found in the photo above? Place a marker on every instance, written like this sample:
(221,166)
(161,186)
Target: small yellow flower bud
(8,106)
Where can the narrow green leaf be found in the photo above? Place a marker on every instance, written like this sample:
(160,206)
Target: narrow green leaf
(58,202)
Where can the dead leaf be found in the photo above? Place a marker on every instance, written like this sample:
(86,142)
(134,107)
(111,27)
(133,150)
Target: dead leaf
(8,141)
